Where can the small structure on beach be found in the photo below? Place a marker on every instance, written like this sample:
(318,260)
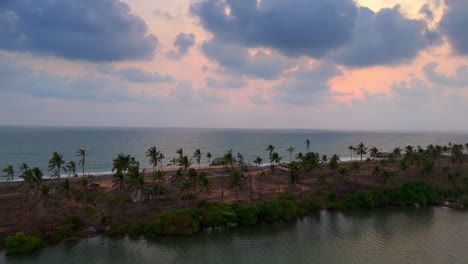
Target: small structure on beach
(383,155)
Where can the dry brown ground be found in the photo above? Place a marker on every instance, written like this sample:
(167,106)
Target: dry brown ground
(20,212)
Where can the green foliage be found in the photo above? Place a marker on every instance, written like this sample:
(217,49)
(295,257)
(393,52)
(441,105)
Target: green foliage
(21,243)
(177,222)
(274,210)
(218,214)
(134,228)
(312,204)
(69,228)
(247,215)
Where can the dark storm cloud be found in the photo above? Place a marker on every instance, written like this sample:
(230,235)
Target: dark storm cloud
(385,37)
(309,85)
(294,27)
(92,30)
(454,25)
(236,59)
(183,43)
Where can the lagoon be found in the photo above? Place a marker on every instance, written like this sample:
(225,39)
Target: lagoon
(383,235)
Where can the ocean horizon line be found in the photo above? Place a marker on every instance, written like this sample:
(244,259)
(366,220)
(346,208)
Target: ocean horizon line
(367,130)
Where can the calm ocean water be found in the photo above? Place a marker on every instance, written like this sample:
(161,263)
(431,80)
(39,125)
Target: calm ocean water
(35,145)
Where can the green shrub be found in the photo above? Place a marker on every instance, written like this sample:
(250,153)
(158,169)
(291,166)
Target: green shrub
(21,243)
(331,196)
(312,204)
(271,211)
(247,215)
(69,228)
(218,214)
(178,222)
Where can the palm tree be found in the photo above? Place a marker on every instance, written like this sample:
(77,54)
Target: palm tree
(258,161)
(55,164)
(333,163)
(37,178)
(270,148)
(351,151)
(397,152)
(290,150)
(159,175)
(122,164)
(206,185)
(361,149)
(236,182)
(307,144)
(10,173)
(209,156)
(82,154)
(180,152)
(66,188)
(185,191)
(153,154)
(374,151)
(24,167)
(137,184)
(45,193)
(275,158)
(198,155)
(71,167)
(172,163)
(184,162)
(227,161)
(161,157)
(343,173)
(387,176)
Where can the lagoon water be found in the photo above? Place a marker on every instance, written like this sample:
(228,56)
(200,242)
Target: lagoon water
(35,145)
(385,235)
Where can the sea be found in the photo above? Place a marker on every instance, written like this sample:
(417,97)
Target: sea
(35,145)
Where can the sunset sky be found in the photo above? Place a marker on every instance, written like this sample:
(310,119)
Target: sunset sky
(321,64)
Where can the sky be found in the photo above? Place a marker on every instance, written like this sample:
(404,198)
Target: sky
(313,64)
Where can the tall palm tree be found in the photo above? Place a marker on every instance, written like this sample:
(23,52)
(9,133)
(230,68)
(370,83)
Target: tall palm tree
(307,144)
(227,161)
(290,150)
(206,185)
(270,148)
(361,149)
(236,182)
(258,161)
(159,176)
(343,173)
(172,163)
(71,167)
(153,155)
(56,164)
(397,152)
(161,158)
(82,155)
(198,155)
(24,167)
(351,151)
(209,156)
(10,173)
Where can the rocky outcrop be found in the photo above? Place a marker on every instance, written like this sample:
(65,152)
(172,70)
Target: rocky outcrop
(217,162)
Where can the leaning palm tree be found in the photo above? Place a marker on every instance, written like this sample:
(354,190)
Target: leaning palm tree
(351,151)
(71,168)
(82,155)
(307,144)
(10,173)
(209,156)
(236,182)
(153,155)
(290,150)
(161,158)
(184,162)
(180,152)
(198,155)
(275,158)
(56,164)
(205,185)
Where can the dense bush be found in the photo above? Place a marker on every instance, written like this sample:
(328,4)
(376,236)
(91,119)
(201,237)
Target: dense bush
(176,222)
(69,228)
(247,215)
(312,204)
(218,214)
(274,210)
(21,243)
